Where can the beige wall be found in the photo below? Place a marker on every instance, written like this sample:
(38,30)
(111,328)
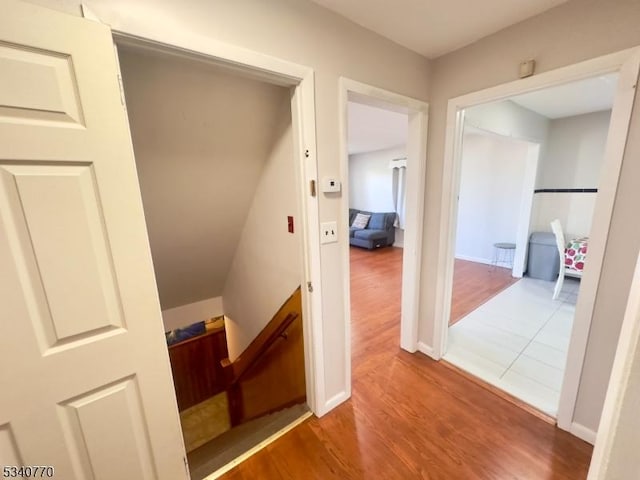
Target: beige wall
(575,31)
(267,265)
(201,137)
(301,32)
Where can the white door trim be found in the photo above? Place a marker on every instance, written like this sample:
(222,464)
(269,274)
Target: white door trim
(417,111)
(622,389)
(627,62)
(301,79)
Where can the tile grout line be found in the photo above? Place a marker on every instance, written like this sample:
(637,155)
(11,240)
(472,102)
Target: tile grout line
(531,340)
(545,363)
(537,381)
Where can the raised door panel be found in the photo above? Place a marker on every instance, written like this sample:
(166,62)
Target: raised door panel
(37,85)
(54,213)
(106,433)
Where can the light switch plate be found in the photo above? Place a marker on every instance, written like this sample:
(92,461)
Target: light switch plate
(328,232)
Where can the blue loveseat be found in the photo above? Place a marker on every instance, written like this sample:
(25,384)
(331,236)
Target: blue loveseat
(379,232)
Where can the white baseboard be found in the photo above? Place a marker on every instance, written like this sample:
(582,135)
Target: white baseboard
(427,350)
(185,315)
(486,261)
(332,403)
(583,433)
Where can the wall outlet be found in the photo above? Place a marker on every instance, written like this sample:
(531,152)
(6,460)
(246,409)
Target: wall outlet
(328,232)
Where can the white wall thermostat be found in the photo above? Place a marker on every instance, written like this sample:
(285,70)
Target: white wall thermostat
(331,185)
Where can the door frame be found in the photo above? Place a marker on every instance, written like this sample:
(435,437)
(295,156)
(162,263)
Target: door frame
(627,63)
(301,80)
(417,112)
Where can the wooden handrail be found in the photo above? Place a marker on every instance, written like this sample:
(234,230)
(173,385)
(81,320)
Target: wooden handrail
(260,362)
(243,364)
(275,329)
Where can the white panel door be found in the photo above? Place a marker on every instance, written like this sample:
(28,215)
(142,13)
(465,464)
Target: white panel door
(85,381)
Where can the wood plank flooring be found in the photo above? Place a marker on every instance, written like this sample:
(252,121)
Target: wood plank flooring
(410,417)
(474,284)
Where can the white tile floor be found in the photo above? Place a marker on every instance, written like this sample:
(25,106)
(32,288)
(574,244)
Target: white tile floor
(518,341)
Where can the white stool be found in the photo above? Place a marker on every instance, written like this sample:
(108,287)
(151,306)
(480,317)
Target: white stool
(503,254)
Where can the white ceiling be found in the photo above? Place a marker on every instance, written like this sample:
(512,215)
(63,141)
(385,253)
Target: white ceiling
(435,27)
(372,128)
(576,98)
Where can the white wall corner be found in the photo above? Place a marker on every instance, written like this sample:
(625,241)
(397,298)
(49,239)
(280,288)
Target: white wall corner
(427,350)
(583,433)
(185,315)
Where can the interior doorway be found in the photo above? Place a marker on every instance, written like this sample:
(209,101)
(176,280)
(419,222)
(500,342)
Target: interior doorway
(517,339)
(404,169)
(217,164)
(497,181)
(377,147)
(598,71)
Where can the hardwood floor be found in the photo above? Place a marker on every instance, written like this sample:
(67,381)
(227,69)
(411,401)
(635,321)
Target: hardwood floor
(410,417)
(474,284)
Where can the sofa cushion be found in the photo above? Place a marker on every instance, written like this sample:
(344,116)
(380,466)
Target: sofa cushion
(376,222)
(352,230)
(352,215)
(370,234)
(361,220)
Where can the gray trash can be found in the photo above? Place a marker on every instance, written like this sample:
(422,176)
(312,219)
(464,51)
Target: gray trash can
(544,261)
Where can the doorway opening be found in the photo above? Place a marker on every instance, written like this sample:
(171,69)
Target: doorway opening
(220,181)
(386,135)
(377,170)
(622,66)
(497,180)
(537,158)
